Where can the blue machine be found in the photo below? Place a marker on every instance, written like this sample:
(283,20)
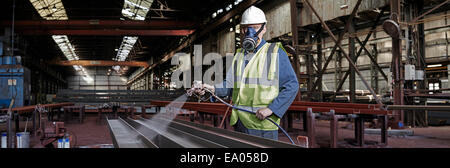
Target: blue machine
(14,81)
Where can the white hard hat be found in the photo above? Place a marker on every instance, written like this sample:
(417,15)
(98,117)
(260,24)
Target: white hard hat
(253,15)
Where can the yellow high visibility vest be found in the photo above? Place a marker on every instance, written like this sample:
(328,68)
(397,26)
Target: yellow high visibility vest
(256,86)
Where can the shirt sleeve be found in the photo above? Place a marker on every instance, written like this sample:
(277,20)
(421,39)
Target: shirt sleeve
(288,85)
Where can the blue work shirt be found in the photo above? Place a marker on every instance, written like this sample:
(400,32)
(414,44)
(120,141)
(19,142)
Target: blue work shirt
(287,81)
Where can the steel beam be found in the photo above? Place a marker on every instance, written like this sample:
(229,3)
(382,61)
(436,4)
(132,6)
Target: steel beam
(99,63)
(373,72)
(384,129)
(359,130)
(429,11)
(344,53)
(338,76)
(319,62)
(419,45)
(163,132)
(329,58)
(295,40)
(337,105)
(372,59)
(107,32)
(374,26)
(340,110)
(29,109)
(353,57)
(397,64)
(419,107)
(125,136)
(309,67)
(298,106)
(100,24)
(341,36)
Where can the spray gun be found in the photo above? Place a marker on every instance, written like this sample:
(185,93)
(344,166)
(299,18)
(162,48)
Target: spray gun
(198,91)
(198,87)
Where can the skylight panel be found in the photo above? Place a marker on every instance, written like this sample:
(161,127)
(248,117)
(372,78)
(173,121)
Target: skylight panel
(54,10)
(134,10)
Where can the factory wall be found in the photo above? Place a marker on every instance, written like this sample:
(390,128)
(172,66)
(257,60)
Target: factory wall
(225,39)
(278,15)
(436,37)
(331,9)
(97,80)
(279,23)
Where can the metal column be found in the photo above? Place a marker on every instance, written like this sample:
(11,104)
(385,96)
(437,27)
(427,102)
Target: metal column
(420,62)
(319,63)
(295,8)
(311,127)
(352,54)
(338,76)
(397,64)
(310,67)
(373,70)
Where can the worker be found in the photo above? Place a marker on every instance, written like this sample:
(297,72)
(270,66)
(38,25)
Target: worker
(268,90)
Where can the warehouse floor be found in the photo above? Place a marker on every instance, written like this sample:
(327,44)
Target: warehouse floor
(430,137)
(95,134)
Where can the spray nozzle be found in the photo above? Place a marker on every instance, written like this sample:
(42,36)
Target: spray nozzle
(190,92)
(199,91)
(196,86)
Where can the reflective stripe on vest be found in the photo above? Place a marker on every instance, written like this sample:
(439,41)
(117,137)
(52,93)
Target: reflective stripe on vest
(256,86)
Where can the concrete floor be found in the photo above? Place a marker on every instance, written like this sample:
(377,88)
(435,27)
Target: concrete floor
(94,134)
(430,137)
(90,134)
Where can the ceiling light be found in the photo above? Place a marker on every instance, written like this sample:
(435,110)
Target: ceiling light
(435,65)
(49,11)
(54,9)
(134,10)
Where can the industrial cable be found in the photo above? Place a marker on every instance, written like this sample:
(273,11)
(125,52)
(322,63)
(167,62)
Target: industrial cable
(249,111)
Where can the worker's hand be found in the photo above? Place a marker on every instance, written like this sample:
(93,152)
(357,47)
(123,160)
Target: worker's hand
(199,88)
(209,87)
(263,113)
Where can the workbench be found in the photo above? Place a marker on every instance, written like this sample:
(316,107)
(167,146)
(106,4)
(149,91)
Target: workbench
(27,110)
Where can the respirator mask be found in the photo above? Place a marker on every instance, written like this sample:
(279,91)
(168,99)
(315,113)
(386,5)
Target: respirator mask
(251,38)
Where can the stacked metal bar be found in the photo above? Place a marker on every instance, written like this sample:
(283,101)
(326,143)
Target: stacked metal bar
(160,132)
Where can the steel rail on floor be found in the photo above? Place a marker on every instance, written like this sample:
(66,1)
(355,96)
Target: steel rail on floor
(163,132)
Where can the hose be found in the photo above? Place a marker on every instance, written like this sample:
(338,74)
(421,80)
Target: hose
(249,111)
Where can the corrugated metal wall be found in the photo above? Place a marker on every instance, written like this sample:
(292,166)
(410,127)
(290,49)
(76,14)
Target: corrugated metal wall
(279,23)
(278,14)
(226,42)
(331,9)
(98,80)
